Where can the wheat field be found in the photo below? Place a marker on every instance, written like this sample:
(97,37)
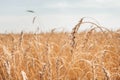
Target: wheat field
(87,55)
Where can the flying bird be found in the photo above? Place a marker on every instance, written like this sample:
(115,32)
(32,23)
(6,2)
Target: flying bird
(31,11)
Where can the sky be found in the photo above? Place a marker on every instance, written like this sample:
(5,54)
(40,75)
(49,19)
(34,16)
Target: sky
(59,14)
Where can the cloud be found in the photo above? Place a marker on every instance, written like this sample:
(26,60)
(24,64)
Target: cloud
(58,12)
(82,4)
(60,6)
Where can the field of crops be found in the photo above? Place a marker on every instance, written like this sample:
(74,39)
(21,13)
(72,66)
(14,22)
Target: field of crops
(87,55)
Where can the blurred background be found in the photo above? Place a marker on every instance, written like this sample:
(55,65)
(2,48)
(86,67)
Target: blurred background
(59,14)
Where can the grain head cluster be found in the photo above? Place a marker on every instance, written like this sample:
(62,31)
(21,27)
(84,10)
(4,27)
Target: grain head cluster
(87,55)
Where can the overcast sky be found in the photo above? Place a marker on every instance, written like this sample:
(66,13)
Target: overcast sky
(56,14)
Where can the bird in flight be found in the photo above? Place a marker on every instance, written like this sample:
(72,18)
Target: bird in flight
(31,11)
